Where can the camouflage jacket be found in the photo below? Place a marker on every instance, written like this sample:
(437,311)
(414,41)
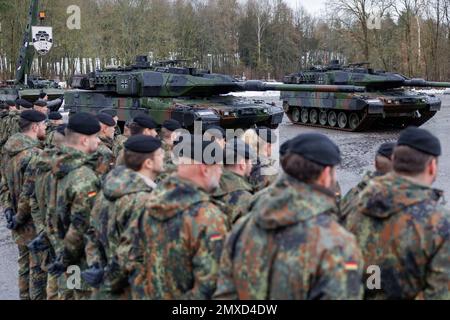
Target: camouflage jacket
(169,166)
(105,156)
(259,179)
(119,142)
(351,197)
(50,135)
(234,194)
(124,193)
(290,247)
(74,186)
(19,152)
(3,117)
(35,196)
(401,227)
(10,126)
(182,233)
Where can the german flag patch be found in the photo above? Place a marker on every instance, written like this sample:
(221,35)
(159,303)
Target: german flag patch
(215,237)
(92,194)
(351,266)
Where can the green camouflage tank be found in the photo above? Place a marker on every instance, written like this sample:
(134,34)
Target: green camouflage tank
(184,94)
(386,101)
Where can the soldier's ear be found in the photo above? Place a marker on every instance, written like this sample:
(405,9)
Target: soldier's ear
(432,167)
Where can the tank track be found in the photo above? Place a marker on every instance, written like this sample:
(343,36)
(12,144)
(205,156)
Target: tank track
(371,122)
(366,122)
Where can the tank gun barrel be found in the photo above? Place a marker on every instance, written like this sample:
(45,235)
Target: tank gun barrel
(423,83)
(255,85)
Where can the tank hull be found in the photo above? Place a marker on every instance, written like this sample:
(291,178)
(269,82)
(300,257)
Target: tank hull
(226,111)
(360,112)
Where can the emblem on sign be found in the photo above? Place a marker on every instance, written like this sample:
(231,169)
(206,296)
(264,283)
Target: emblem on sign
(42,39)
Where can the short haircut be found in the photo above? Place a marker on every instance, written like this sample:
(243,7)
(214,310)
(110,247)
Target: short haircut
(135,160)
(383,164)
(72,137)
(136,129)
(300,168)
(25,125)
(409,161)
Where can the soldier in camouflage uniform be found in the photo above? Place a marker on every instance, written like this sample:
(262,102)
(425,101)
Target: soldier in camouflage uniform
(181,216)
(401,226)
(142,124)
(41,106)
(55,119)
(19,151)
(113,113)
(125,191)
(168,136)
(290,246)
(73,189)
(33,202)
(4,111)
(106,136)
(235,193)
(120,139)
(383,165)
(264,172)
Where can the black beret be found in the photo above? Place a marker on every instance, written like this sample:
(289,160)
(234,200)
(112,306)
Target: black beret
(266,134)
(145,122)
(40,103)
(284,147)
(128,123)
(112,112)
(62,129)
(142,144)
(55,116)
(237,148)
(84,123)
(106,119)
(421,140)
(10,103)
(171,125)
(33,116)
(42,95)
(24,103)
(317,148)
(216,131)
(386,149)
(194,147)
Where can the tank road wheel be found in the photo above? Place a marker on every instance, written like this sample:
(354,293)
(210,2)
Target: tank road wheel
(313,116)
(332,119)
(354,121)
(342,120)
(295,115)
(323,118)
(304,116)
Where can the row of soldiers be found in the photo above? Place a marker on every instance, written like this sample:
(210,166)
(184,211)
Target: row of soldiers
(143,226)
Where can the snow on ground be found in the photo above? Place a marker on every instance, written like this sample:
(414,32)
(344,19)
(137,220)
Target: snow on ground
(255,94)
(433,91)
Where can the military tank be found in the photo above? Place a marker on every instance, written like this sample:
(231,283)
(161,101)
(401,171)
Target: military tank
(185,94)
(25,85)
(387,100)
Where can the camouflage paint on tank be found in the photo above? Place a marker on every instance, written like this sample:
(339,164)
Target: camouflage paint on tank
(383,102)
(183,94)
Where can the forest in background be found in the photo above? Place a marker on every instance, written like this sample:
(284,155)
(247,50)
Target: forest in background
(263,39)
